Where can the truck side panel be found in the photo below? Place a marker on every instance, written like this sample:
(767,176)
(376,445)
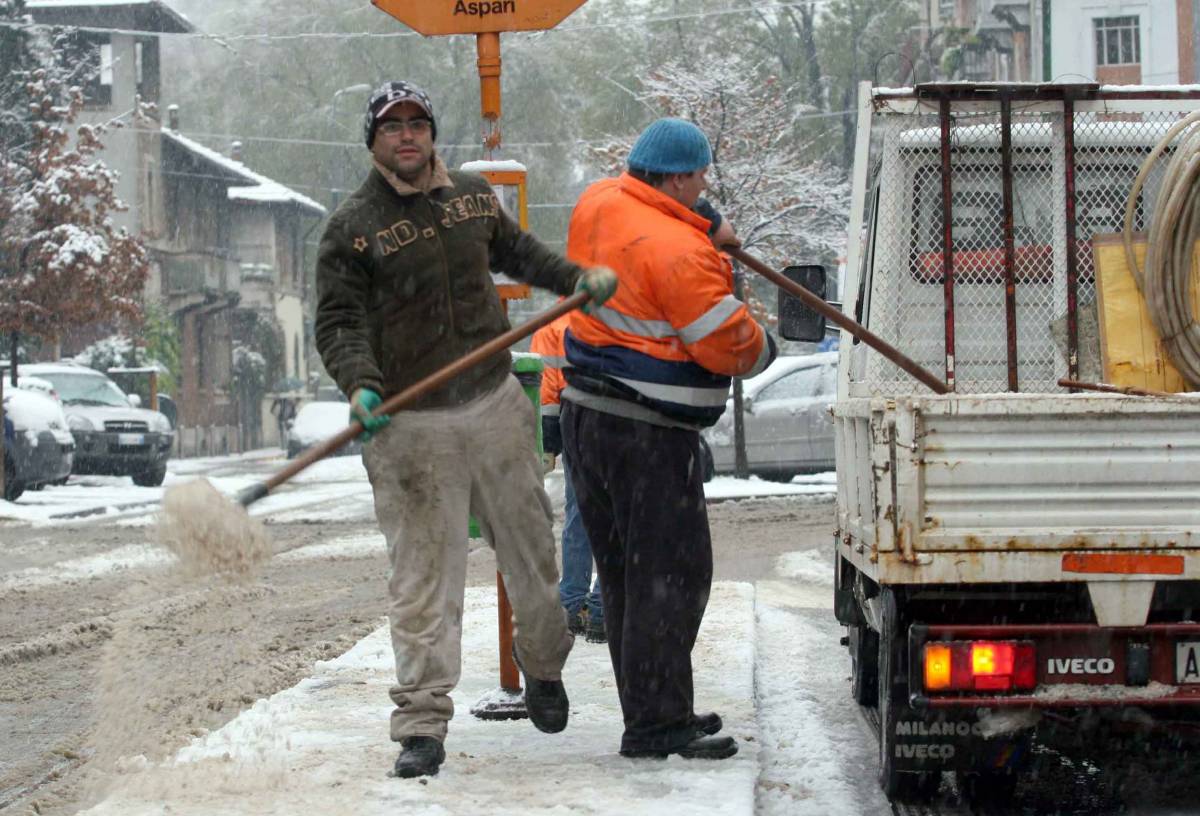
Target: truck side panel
(1013,474)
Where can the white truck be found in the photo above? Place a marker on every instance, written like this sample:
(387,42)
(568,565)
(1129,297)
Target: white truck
(1012,558)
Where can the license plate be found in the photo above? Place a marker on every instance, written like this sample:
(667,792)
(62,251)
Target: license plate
(1187,661)
(131,439)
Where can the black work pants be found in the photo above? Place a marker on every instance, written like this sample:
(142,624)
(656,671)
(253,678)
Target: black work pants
(640,490)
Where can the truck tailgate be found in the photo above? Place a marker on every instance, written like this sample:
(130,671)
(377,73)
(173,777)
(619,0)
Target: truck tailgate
(988,473)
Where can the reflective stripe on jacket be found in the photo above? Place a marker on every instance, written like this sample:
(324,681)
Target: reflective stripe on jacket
(673,334)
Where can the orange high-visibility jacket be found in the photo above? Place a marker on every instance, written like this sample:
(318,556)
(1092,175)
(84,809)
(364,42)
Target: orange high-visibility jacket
(673,334)
(548,342)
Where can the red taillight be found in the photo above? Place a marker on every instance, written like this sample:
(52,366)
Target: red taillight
(980,665)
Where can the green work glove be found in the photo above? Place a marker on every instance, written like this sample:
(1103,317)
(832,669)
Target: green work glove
(362,404)
(599,282)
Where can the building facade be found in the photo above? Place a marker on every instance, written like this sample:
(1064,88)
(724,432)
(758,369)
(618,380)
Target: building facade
(1120,42)
(227,244)
(1113,42)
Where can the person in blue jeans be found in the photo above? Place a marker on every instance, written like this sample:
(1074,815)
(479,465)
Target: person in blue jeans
(577,571)
(573,588)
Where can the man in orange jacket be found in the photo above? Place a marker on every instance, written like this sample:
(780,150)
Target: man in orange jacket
(573,588)
(645,372)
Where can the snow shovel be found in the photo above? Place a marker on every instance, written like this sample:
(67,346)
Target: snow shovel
(253,493)
(211,535)
(860,331)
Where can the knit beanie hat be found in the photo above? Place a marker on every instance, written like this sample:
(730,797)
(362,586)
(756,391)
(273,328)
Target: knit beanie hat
(670,146)
(390,94)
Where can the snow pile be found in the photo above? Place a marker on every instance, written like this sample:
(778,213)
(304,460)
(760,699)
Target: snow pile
(723,488)
(128,557)
(813,764)
(811,566)
(368,545)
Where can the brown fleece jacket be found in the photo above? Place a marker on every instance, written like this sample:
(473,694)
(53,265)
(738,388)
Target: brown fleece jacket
(404,288)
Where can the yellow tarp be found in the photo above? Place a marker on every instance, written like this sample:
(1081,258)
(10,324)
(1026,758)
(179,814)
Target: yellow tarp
(1131,352)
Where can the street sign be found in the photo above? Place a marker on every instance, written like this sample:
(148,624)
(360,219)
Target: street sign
(431,17)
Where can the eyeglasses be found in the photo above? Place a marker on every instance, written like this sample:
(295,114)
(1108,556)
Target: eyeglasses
(394,127)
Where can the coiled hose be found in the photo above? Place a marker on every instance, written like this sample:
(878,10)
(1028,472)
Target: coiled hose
(1165,282)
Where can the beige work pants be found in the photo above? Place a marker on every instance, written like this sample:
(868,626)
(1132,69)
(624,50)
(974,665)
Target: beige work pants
(428,470)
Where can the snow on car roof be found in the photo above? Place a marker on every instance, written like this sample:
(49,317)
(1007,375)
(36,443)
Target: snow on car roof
(35,384)
(57,368)
(33,411)
(784,365)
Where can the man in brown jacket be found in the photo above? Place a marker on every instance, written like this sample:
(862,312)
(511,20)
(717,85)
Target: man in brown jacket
(404,289)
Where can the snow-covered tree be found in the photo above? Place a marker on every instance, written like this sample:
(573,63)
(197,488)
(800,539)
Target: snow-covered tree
(785,208)
(63,262)
(113,351)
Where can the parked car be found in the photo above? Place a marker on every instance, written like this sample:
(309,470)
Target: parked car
(788,426)
(38,446)
(112,435)
(316,422)
(12,488)
(168,408)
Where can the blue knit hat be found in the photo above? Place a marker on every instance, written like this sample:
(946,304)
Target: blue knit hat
(670,146)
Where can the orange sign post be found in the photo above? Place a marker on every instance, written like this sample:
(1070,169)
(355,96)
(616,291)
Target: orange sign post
(485,19)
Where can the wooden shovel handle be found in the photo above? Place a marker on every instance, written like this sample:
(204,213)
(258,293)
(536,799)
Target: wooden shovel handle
(415,392)
(860,331)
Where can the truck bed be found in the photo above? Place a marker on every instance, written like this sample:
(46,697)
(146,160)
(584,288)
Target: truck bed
(998,487)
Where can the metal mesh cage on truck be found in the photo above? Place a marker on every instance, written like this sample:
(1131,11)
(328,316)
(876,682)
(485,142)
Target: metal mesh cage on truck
(980,211)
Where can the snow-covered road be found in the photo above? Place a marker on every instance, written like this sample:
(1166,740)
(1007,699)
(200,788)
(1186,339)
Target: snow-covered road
(335,489)
(77,596)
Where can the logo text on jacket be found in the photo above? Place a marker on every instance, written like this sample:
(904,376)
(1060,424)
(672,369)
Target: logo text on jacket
(454,211)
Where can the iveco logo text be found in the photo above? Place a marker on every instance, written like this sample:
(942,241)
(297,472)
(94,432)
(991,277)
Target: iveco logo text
(924,751)
(1080,665)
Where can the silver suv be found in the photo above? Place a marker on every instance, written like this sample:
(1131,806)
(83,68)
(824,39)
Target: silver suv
(112,435)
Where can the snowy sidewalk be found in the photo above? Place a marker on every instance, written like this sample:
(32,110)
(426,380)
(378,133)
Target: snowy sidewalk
(322,747)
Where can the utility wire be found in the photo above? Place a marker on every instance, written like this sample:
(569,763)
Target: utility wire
(326,143)
(299,186)
(233,137)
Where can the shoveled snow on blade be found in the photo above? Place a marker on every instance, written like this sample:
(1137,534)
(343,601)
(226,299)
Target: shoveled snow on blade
(209,533)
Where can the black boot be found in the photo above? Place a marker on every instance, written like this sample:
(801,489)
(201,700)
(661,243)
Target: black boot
(698,748)
(707,724)
(545,701)
(421,756)
(595,631)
